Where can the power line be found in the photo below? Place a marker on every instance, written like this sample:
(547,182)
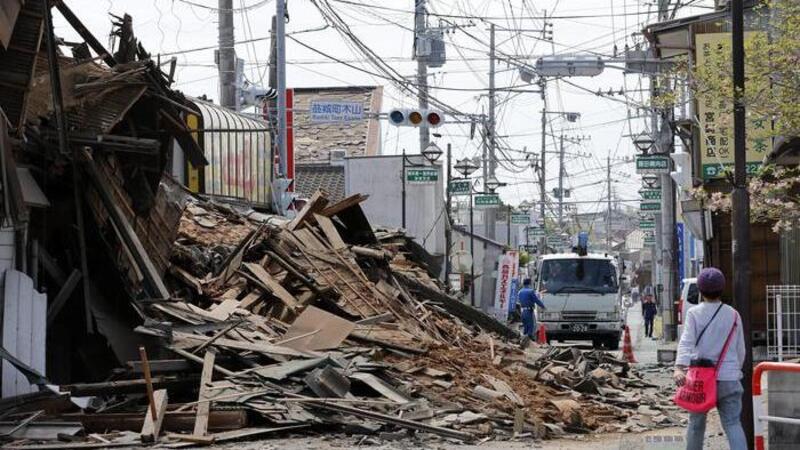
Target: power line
(483,18)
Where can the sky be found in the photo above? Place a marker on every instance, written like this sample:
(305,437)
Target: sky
(188,30)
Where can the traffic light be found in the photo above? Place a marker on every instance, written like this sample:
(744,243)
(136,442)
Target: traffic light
(415,118)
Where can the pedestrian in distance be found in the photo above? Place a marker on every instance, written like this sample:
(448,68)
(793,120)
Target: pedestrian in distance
(527,300)
(707,328)
(635,294)
(649,310)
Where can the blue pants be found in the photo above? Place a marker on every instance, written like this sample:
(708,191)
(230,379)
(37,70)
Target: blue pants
(528,322)
(729,404)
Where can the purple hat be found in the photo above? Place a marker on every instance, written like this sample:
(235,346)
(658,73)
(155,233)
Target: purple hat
(711,281)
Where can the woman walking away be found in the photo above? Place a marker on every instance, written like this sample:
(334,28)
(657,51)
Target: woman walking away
(707,328)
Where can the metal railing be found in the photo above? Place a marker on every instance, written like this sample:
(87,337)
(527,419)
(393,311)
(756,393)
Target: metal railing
(760,416)
(783,321)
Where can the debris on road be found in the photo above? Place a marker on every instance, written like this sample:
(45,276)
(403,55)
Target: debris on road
(319,323)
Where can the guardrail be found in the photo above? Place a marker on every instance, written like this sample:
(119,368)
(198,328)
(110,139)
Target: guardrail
(760,416)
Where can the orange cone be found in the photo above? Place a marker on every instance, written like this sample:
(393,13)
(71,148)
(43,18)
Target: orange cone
(627,347)
(541,335)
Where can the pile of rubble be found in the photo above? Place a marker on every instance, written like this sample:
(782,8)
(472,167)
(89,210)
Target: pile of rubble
(318,323)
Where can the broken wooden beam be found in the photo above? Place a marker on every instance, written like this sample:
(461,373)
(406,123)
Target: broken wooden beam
(63,295)
(315,204)
(350,410)
(155,417)
(204,406)
(126,386)
(218,420)
(380,255)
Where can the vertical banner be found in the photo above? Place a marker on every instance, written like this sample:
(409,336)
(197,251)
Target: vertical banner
(503,288)
(515,281)
(716,121)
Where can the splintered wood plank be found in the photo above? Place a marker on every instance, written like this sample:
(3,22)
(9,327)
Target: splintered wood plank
(224,309)
(342,205)
(272,285)
(250,300)
(315,204)
(203,405)
(310,241)
(260,347)
(330,231)
(152,425)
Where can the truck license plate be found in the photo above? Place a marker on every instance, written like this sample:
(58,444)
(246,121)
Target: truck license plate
(579,328)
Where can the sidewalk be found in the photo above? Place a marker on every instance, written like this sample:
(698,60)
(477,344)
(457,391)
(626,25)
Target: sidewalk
(644,349)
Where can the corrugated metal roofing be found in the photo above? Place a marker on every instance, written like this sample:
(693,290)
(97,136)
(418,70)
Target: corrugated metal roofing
(238,150)
(18,61)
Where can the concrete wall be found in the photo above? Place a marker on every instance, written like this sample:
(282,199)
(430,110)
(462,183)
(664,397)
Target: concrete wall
(381,178)
(486,256)
(783,400)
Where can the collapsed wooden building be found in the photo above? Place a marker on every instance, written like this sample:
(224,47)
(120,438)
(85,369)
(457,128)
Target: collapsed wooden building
(138,311)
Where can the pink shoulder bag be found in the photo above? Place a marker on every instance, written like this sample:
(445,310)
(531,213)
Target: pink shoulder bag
(699,393)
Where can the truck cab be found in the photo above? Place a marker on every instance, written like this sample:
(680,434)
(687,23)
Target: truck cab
(583,298)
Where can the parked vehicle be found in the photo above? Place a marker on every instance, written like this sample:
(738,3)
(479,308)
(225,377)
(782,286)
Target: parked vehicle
(690,296)
(583,298)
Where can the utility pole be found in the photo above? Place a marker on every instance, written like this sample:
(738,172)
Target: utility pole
(226,62)
(608,210)
(422,69)
(280,78)
(543,165)
(491,213)
(664,139)
(448,230)
(561,183)
(741,210)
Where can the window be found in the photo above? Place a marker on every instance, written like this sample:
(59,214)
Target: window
(692,295)
(579,275)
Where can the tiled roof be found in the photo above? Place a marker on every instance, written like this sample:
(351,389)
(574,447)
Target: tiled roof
(314,141)
(311,177)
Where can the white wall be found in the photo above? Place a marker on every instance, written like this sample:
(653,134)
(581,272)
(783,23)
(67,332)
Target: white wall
(381,178)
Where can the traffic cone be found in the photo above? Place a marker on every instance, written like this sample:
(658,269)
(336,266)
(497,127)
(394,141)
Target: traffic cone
(627,347)
(541,335)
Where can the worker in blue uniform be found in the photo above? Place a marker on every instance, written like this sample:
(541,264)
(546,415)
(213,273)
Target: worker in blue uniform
(528,299)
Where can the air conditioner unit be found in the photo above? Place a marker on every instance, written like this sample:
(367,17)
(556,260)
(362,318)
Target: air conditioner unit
(337,156)
(721,4)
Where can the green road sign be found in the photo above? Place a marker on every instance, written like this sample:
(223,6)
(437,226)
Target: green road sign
(521,218)
(650,240)
(647,224)
(650,194)
(536,233)
(422,176)
(487,200)
(460,187)
(653,164)
(650,206)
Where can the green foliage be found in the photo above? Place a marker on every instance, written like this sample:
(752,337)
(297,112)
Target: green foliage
(772,61)
(774,197)
(524,259)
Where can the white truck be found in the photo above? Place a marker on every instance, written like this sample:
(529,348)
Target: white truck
(583,298)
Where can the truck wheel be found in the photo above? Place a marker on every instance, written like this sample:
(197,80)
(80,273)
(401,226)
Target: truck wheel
(612,343)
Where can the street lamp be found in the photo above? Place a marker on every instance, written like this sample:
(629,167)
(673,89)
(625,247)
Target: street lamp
(643,142)
(466,167)
(492,183)
(432,152)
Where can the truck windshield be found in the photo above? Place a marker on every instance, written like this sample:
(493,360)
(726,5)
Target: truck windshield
(579,275)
